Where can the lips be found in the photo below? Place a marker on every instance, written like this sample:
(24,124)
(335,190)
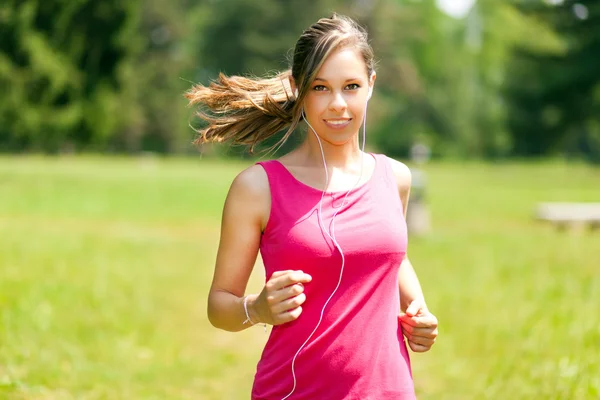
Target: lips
(337,123)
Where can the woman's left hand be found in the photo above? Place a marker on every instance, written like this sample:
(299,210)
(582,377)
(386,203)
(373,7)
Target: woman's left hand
(419,326)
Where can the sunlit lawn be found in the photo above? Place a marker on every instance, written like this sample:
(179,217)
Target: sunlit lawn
(105,264)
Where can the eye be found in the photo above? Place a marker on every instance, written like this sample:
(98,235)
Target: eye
(319,88)
(353,86)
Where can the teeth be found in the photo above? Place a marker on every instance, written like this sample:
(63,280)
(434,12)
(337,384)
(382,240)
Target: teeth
(337,122)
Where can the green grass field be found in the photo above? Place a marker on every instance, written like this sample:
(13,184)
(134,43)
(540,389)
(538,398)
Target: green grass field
(105,265)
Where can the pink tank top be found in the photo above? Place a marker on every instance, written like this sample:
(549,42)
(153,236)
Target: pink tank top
(358,351)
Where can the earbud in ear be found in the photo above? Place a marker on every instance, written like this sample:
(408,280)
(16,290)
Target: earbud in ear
(296,92)
(370,93)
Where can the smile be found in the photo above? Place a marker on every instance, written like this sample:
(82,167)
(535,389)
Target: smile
(337,123)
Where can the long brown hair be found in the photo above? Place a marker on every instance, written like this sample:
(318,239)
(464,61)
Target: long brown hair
(245,110)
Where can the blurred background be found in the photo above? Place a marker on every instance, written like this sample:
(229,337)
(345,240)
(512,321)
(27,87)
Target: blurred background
(486,79)
(109,216)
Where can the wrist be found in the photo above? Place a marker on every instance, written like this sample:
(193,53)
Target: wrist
(250,309)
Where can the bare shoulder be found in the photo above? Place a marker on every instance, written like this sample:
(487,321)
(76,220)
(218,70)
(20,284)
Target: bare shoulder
(251,194)
(402,173)
(252,182)
(403,179)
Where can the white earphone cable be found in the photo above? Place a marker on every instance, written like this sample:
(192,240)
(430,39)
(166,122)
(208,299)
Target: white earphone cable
(331,236)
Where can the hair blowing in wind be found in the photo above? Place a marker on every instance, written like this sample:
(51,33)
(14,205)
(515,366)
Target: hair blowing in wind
(248,110)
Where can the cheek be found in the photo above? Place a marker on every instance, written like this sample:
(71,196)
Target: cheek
(358,109)
(314,107)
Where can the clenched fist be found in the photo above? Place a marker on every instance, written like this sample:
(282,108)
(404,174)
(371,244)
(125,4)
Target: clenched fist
(281,299)
(419,326)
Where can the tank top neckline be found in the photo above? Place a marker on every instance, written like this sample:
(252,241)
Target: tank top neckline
(331,192)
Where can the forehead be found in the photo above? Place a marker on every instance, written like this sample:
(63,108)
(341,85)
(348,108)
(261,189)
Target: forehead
(343,64)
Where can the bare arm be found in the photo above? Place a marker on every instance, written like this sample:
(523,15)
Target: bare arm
(245,215)
(418,324)
(408,282)
(409,286)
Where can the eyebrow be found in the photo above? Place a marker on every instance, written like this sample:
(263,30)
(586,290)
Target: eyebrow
(347,80)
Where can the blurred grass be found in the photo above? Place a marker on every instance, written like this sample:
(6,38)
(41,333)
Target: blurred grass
(105,264)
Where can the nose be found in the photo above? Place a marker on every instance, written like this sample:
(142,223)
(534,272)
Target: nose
(338,103)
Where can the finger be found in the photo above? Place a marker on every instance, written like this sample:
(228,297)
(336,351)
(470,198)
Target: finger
(421,332)
(277,274)
(277,296)
(288,316)
(424,321)
(406,328)
(289,278)
(289,304)
(413,332)
(276,281)
(413,308)
(418,348)
(298,277)
(291,291)
(423,341)
(279,277)
(407,319)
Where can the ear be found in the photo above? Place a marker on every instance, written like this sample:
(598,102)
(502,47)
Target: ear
(371,84)
(293,86)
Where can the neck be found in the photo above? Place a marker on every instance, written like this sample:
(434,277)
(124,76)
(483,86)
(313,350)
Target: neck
(343,156)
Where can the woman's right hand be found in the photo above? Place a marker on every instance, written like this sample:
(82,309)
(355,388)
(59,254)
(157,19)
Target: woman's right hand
(281,299)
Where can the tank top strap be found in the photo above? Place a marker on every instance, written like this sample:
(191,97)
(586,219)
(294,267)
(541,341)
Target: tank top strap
(278,176)
(388,177)
(384,170)
(279,185)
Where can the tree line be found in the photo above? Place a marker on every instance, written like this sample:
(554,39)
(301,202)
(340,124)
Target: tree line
(511,78)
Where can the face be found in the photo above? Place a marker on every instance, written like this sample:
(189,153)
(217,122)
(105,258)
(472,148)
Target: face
(336,101)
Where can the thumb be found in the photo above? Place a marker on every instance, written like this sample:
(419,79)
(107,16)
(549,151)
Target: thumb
(414,308)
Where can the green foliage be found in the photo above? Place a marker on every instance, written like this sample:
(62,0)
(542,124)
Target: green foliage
(443,78)
(555,99)
(159,122)
(511,78)
(60,73)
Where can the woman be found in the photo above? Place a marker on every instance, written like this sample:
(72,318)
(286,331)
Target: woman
(328,219)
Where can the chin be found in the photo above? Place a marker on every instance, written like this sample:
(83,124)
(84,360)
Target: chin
(337,140)
(340,138)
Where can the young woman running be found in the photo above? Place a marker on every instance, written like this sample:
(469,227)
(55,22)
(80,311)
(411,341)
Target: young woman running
(329,222)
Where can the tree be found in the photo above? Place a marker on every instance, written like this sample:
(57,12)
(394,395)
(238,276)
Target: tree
(555,99)
(61,72)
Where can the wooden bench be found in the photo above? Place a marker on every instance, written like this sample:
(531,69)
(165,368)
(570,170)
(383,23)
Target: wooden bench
(570,215)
